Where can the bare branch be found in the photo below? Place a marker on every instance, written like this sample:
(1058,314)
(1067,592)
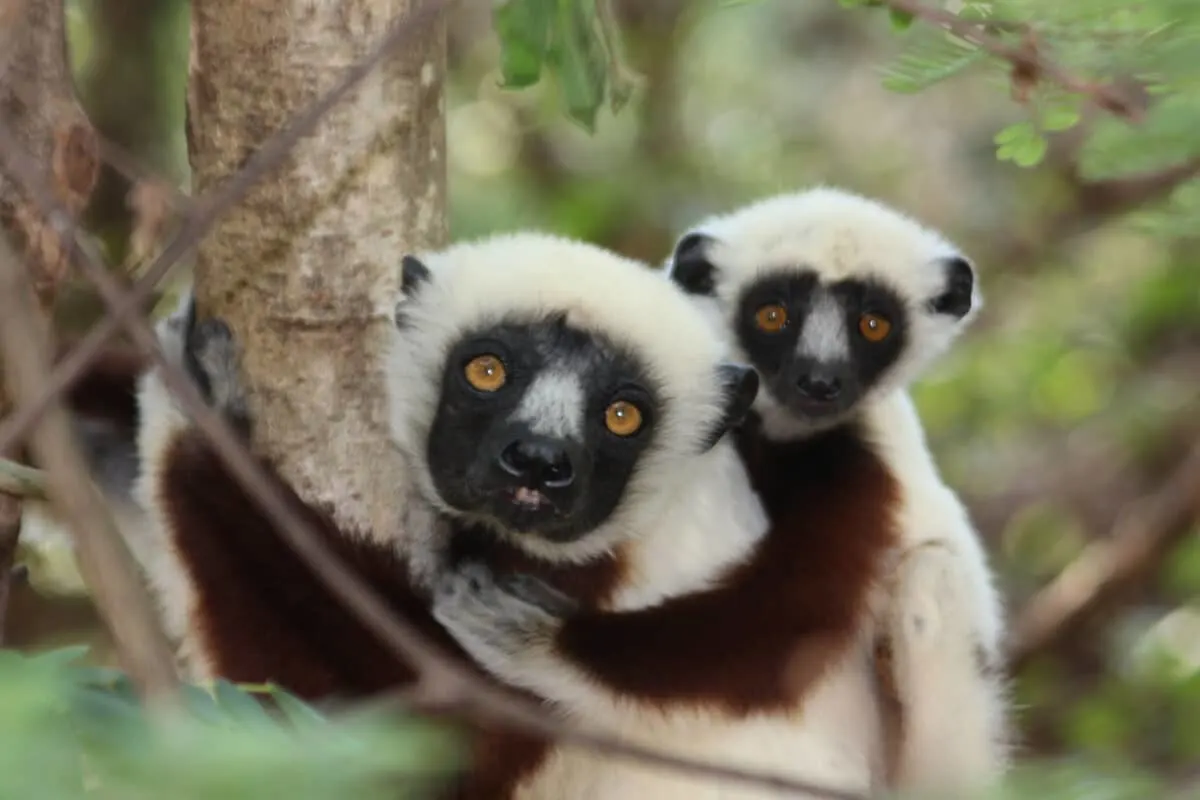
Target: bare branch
(104,561)
(1106,567)
(1091,203)
(1028,63)
(1099,199)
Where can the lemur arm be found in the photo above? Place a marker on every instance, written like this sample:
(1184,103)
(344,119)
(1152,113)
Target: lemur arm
(702,648)
(943,629)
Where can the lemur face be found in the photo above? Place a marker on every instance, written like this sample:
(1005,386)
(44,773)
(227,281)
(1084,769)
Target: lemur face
(819,345)
(555,392)
(539,427)
(832,297)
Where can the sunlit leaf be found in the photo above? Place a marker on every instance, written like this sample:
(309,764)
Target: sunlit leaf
(523,27)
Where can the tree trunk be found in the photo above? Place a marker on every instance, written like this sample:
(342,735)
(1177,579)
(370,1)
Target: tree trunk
(39,112)
(302,268)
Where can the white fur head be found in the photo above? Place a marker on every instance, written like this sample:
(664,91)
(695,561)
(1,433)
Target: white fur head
(554,391)
(836,299)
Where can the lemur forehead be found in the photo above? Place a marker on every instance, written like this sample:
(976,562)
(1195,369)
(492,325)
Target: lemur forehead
(535,276)
(553,343)
(837,234)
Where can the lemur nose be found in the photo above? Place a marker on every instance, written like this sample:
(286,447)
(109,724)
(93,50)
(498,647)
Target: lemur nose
(542,462)
(819,386)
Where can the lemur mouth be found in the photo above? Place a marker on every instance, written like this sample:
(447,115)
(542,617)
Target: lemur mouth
(530,499)
(816,408)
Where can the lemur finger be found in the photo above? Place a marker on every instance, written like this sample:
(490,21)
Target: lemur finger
(538,593)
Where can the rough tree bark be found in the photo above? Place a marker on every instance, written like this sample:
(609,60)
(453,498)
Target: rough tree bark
(38,108)
(302,267)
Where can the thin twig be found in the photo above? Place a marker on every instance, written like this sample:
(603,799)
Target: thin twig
(104,560)
(22,481)
(1108,566)
(1025,58)
(203,214)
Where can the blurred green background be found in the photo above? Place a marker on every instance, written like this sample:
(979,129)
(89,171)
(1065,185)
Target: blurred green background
(1075,397)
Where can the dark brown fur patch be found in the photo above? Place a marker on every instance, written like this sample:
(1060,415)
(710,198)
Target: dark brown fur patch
(264,616)
(106,391)
(773,626)
(108,388)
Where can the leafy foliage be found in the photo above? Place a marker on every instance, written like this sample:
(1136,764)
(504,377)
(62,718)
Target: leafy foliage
(575,40)
(69,731)
(1146,50)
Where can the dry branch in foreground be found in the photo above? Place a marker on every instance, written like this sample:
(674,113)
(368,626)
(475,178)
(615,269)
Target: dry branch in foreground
(103,558)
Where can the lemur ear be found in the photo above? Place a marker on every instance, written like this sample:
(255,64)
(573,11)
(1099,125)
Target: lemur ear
(958,292)
(186,319)
(690,267)
(413,275)
(740,385)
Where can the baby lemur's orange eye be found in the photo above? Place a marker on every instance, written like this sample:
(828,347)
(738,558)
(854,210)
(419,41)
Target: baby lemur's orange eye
(623,418)
(771,318)
(874,327)
(485,373)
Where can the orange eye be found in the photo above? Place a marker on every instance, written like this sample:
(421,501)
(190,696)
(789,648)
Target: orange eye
(485,373)
(771,318)
(623,418)
(873,327)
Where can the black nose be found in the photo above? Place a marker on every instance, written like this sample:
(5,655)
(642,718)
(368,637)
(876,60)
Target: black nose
(541,462)
(819,386)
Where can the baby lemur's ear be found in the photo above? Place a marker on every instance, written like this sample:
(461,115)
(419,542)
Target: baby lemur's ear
(957,297)
(690,268)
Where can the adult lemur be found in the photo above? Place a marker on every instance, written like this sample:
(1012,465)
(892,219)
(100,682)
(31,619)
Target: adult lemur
(840,302)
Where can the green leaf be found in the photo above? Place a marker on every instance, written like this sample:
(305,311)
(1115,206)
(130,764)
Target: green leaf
(900,20)
(1013,134)
(1060,119)
(295,710)
(523,27)
(200,703)
(59,658)
(239,705)
(1031,153)
(931,57)
(581,60)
